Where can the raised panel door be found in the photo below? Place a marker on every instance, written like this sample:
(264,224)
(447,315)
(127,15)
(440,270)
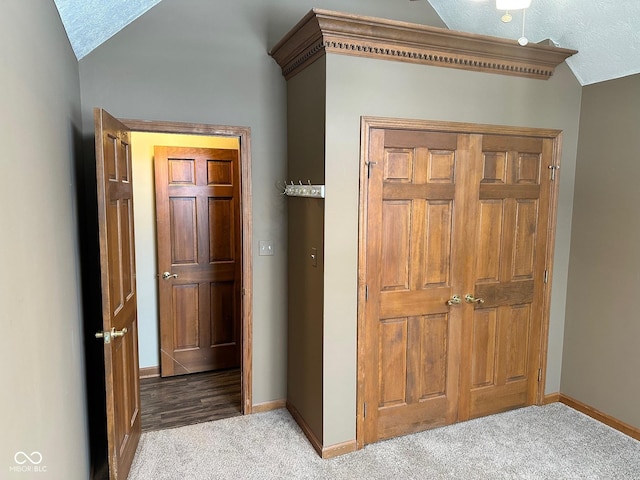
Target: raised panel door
(197,207)
(118,290)
(510,257)
(452,213)
(413,268)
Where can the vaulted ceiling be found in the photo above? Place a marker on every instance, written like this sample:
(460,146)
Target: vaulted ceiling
(605,32)
(89,23)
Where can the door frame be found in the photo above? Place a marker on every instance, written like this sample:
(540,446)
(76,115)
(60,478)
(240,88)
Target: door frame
(366,125)
(243,134)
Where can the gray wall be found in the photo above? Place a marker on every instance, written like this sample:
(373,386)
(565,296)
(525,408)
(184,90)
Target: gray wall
(42,406)
(360,86)
(305,134)
(197,61)
(206,61)
(601,361)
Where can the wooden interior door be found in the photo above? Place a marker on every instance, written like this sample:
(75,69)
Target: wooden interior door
(416,197)
(502,335)
(447,213)
(117,265)
(199,258)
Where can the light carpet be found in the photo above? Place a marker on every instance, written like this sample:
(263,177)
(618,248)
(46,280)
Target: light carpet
(550,442)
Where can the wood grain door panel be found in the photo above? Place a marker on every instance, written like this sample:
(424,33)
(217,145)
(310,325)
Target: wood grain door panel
(119,310)
(412,332)
(452,212)
(198,219)
(511,235)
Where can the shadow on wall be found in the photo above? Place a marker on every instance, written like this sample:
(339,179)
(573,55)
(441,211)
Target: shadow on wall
(86,197)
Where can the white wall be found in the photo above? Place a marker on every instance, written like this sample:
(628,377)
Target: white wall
(362,86)
(42,405)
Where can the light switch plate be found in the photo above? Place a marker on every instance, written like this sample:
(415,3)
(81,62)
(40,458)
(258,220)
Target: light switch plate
(266,247)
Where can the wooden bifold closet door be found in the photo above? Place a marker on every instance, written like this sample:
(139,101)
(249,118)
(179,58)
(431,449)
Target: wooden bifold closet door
(456,235)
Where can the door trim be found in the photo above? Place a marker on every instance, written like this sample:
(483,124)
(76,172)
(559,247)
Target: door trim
(243,134)
(369,123)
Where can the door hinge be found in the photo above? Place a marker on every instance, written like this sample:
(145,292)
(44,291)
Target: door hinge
(365,410)
(553,169)
(366,293)
(369,164)
(546,276)
(539,374)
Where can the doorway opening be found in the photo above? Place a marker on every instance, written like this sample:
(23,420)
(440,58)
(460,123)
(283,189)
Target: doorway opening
(203,396)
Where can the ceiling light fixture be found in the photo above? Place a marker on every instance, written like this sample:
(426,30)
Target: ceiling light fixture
(514,5)
(523,40)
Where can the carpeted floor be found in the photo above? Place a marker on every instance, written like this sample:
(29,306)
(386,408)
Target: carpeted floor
(550,442)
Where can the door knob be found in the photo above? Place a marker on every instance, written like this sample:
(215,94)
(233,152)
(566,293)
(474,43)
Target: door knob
(107,335)
(118,333)
(168,275)
(455,300)
(471,299)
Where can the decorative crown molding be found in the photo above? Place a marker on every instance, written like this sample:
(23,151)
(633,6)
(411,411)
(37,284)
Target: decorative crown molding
(322,31)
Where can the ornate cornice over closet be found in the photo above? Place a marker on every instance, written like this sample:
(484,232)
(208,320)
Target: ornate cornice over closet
(322,31)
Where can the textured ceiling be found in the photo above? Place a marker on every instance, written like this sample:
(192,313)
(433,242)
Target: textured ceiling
(91,22)
(605,32)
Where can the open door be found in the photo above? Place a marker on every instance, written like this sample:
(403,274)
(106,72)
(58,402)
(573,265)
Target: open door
(119,316)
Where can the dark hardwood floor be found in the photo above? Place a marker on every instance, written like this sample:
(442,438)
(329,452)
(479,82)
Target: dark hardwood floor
(188,399)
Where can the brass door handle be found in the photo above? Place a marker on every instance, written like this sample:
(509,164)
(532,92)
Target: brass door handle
(471,299)
(455,300)
(111,334)
(168,275)
(118,333)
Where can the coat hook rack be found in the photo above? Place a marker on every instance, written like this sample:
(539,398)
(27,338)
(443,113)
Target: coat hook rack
(303,189)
